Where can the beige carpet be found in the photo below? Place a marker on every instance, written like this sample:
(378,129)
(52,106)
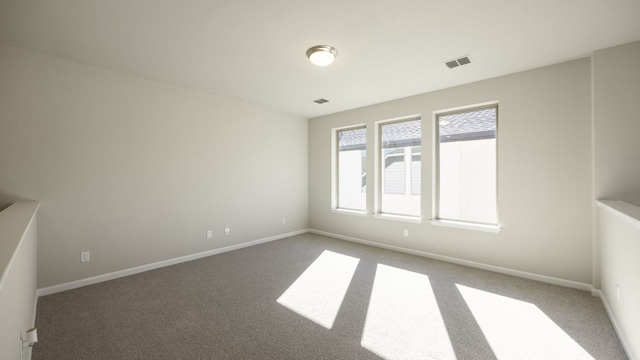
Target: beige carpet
(313,297)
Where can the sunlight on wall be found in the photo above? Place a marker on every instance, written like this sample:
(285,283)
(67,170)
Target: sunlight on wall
(318,293)
(519,330)
(403,320)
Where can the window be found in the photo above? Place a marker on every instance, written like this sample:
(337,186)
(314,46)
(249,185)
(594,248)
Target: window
(466,175)
(400,154)
(351,169)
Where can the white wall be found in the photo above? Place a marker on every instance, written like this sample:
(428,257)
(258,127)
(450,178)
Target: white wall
(544,160)
(137,171)
(616,115)
(620,252)
(616,124)
(18,273)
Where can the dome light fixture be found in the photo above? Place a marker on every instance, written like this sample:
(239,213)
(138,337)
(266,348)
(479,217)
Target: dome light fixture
(322,55)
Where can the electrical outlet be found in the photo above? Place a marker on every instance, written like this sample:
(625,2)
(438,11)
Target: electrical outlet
(406,232)
(85,256)
(227,231)
(284,221)
(209,234)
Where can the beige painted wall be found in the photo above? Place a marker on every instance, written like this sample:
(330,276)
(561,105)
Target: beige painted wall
(620,253)
(616,117)
(616,123)
(137,171)
(544,159)
(18,272)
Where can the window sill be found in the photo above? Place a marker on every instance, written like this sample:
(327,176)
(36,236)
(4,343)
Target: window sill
(349,212)
(404,218)
(466,225)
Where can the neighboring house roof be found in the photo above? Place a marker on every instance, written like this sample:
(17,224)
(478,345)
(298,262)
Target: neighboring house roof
(464,126)
(401,134)
(469,125)
(353,139)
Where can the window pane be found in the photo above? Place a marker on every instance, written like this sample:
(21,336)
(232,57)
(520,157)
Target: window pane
(363,181)
(467,166)
(416,170)
(352,160)
(400,145)
(394,172)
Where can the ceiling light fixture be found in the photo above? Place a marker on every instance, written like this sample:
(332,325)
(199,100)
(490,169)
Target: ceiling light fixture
(322,55)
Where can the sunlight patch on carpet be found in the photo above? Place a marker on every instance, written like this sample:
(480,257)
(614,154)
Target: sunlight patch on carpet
(317,294)
(403,320)
(519,330)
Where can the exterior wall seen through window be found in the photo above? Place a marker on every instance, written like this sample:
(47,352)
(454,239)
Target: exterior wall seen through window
(352,169)
(400,145)
(467,166)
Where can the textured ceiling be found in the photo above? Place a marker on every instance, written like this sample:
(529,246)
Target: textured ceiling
(254,51)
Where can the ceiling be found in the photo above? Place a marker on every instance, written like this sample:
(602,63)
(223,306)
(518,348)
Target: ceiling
(254,51)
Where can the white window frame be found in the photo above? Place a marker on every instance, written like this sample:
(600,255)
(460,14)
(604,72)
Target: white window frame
(456,223)
(335,176)
(379,170)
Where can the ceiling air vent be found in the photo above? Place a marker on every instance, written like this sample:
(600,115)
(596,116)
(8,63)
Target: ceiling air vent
(321,101)
(458,62)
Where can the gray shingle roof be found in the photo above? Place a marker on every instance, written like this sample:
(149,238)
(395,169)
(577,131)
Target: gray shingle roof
(400,134)
(353,139)
(468,125)
(464,126)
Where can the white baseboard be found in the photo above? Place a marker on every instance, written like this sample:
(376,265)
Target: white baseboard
(542,278)
(138,269)
(477,265)
(626,348)
(29,350)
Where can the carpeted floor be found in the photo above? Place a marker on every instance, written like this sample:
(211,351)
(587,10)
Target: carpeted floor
(313,297)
